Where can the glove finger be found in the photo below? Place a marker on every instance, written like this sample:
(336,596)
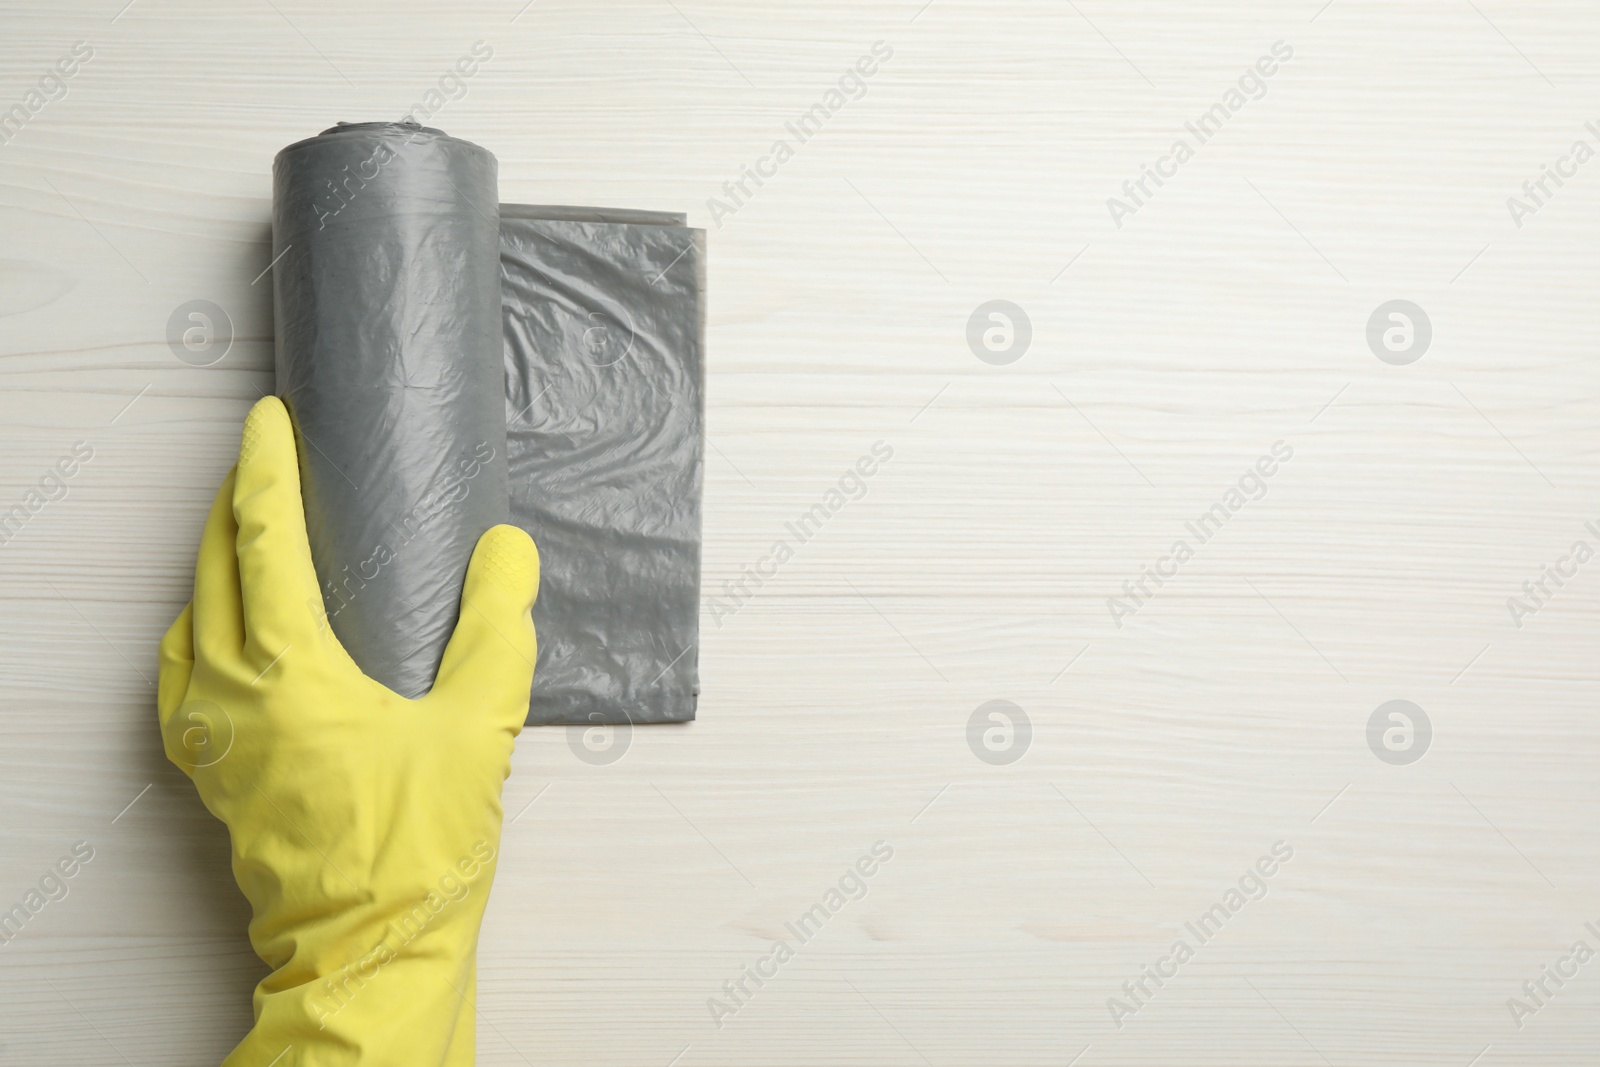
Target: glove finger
(218,617)
(176,658)
(489,660)
(282,603)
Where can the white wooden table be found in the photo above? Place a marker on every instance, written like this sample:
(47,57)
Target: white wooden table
(1163,756)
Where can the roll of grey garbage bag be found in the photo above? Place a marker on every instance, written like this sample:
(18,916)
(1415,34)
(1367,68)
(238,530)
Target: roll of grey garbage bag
(604,326)
(389,355)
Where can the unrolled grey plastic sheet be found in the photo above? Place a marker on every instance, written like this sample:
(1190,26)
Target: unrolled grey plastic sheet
(604,417)
(451,363)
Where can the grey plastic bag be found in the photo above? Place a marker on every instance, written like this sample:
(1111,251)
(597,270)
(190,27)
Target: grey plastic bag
(413,322)
(389,358)
(605,412)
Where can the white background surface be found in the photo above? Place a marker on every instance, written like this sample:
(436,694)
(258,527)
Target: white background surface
(1229,713)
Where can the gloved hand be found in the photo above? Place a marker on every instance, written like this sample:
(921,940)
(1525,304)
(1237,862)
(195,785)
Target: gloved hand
(364,826)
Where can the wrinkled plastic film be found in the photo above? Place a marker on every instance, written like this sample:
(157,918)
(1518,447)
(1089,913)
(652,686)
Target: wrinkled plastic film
(604,327)
(389,355)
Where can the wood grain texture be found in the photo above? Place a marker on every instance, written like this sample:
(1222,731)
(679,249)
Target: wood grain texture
(1228,313)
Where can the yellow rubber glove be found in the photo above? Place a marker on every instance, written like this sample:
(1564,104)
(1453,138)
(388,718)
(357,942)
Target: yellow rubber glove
(364,826)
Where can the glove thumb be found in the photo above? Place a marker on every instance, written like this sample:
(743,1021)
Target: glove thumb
(489,660)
